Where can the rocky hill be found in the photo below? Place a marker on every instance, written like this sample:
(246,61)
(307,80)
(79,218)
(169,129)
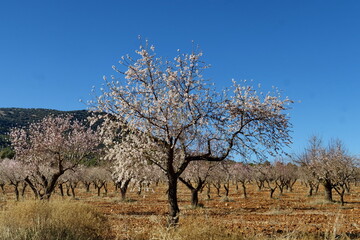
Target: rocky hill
(22,117)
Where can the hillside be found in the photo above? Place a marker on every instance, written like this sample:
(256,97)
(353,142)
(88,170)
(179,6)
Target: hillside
(22,117)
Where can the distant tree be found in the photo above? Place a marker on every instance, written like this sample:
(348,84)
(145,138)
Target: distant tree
(259,175)
(271,178)
(49,148)
(175,113)
(333,167)
(13,172)
(309,177)
(99,176)
(227,176)
(71,180)
(242,173)
(195,177)
(287,175)
(216,179)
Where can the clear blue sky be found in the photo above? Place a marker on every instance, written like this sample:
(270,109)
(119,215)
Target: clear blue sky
(53,52)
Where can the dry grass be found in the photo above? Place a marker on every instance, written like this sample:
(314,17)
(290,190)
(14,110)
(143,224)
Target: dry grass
(54,220)
(202,229)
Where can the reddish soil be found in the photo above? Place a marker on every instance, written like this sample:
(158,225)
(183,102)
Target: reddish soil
(286,213)
(258,214)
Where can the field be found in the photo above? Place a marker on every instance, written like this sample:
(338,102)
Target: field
(291,215)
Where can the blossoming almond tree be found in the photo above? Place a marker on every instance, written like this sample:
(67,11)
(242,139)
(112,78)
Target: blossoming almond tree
(49,148)
(178,117)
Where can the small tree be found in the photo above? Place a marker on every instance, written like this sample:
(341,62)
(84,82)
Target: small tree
(13,172)
(99,176)
(85,177)
(51,147)
(333,167)
(71,179)
(178,118)
(195,177)
(242,173)
(286,175)
(308,176)
(226,176)
(271,177)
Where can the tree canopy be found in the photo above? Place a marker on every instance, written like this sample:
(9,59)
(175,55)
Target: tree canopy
(170,115)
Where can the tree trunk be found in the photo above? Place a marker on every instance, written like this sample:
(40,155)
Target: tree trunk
(140,188)
(208,190)
(226,187)
(272,190)
(342,193)
(260,185)
(311,189)
(328,190)
(291,186)
(24,185)
(16,191)
(33,188)
(123,189)
(174,210)
(50,187)
(105,189)
(61,190)
(317,188)
(347,187)
(87,186)
(281,188)
(73,190)
(68,190)
(194,197)
(123,193)
(217,186)
(244,189)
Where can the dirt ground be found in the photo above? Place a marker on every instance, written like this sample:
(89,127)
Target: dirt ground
(258,214)
(286,213)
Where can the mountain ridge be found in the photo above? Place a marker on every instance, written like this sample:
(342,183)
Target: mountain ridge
(23,117)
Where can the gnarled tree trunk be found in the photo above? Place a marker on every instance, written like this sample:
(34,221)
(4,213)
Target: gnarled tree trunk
(328,190)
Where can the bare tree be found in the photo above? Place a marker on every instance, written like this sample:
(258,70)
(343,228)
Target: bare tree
(286,175)
(333,167)
(195,177)
(99,176)
(71,179)
(242,173)
(177,117)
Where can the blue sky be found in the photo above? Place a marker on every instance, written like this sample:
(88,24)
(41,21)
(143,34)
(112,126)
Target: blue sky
(53,52)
